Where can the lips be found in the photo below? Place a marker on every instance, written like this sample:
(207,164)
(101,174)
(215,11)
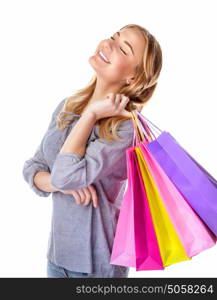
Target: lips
(101,57)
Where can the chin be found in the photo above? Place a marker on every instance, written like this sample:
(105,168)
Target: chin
(93,63)
(95,66)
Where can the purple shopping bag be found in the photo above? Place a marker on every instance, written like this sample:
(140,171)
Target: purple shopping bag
(191,179)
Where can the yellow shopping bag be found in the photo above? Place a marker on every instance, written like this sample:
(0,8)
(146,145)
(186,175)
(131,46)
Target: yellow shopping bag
(171,248)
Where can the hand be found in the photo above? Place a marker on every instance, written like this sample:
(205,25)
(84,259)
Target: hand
(113,105)
(139,107)
(83,196)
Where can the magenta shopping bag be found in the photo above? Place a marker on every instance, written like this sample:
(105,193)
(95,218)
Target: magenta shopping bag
(135,243)
(196,185)
(192,231)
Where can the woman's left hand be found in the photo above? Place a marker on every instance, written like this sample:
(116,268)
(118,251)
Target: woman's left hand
(113,105)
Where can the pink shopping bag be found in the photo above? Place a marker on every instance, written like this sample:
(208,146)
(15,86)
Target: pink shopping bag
(135,243)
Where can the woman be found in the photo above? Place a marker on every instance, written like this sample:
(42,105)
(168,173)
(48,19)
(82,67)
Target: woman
(82,161)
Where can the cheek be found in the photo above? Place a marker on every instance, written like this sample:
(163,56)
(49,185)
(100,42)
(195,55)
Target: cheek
(119,66)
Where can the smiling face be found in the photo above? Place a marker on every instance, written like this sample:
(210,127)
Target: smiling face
(124,51)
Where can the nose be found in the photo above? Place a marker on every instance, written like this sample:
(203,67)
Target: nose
(108,45)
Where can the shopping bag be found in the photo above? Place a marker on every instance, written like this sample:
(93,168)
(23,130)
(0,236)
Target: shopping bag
(128,248)
(171,248)
(135,243)
(146,128)
(192,231)
(196,185)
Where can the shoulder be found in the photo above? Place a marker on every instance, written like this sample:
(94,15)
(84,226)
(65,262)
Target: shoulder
(59,107)
(126,132)
(126,126)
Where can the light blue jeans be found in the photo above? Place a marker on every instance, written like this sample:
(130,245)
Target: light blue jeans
(54,271)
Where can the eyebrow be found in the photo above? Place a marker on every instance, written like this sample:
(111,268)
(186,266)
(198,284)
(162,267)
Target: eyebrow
(126,42)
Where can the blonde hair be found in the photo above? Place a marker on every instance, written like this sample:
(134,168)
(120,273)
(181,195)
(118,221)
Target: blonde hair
(139,92)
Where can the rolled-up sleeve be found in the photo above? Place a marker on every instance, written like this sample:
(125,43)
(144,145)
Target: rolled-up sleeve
(37,163)
(31,167)
(73,171)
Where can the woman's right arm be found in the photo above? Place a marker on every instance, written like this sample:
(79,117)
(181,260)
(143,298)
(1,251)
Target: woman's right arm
(37,174)
(42,182)
(35,170)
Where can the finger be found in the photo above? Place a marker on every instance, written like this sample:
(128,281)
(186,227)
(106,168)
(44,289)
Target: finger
(87,196)
(126,113)
(82,195)
(124,101)
(139,107)
(93,195)
(76,196)
(118,99)
(125,98)
(110,96)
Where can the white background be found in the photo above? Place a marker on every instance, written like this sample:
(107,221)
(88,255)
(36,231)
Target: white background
(45,46)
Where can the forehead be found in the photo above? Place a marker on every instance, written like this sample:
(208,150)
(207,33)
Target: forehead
(136,39)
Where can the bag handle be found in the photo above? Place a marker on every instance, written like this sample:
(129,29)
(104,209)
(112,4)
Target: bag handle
(146,119)
(147,126)
(141,131)
(139,126)
(137,133)
(135,136)
(144,126)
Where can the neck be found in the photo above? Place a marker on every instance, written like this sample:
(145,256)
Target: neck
(102,89)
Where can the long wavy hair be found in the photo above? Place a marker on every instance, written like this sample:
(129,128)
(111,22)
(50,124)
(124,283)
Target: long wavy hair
(139,92)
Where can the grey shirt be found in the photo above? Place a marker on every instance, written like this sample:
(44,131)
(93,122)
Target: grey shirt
(81,237)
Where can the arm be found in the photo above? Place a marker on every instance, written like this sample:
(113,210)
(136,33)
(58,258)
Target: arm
(34,165)
(42,182)
(37,165)
(73,171)
(77,139)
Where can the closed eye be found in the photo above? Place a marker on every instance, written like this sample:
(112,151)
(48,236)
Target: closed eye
(120,47)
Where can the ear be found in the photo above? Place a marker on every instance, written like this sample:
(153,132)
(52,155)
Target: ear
(128,81)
